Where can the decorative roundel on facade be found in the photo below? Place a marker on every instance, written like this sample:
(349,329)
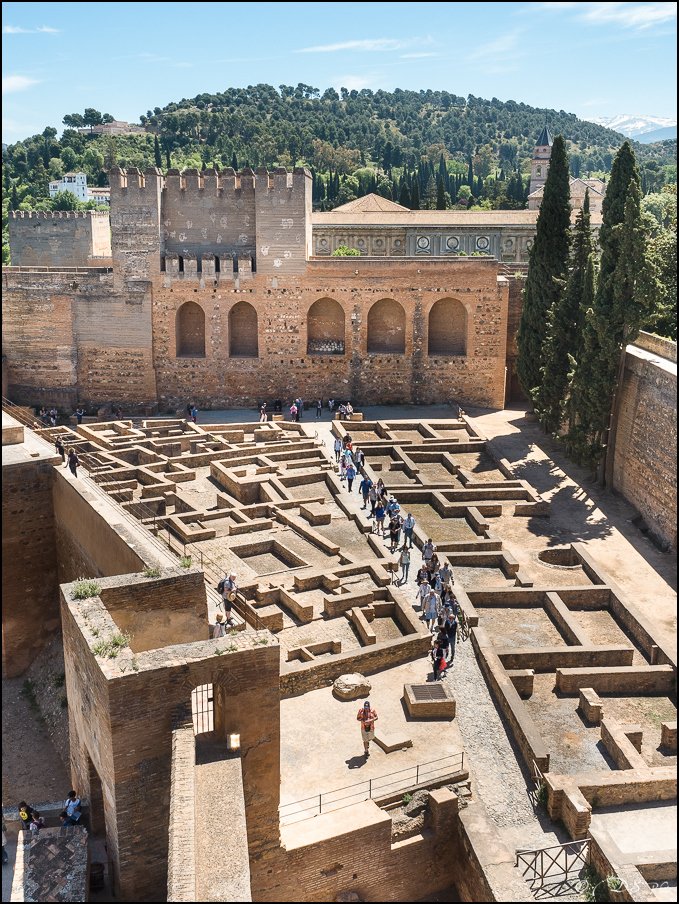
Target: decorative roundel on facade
(360,242)
(323,242)
(423,242)
(453,242)
(509,243)
(398,244)
(528,243)
(379,243)
(483,242)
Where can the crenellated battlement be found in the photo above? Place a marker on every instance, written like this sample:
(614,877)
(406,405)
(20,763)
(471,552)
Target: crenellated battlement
(211,180)
(58,214)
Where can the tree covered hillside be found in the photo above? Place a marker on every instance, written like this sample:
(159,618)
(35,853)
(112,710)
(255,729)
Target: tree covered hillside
(424,149)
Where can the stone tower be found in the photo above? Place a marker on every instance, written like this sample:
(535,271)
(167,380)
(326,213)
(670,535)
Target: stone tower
(540,162)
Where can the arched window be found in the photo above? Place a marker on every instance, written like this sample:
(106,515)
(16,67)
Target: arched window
(386,328)
(190,331)
(325,328)
(448,328)
(243,341)
(538,171)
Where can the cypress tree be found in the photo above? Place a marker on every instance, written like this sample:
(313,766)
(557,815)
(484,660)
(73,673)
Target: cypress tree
(441,195)
(156,152)
(564,327)
(415,196)
(234,161)
(167,157)
(627,295)
(404,197)
(429,197)
(470,175)
(547,269)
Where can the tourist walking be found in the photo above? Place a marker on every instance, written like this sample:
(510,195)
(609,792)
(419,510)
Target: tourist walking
(79,414)
(331,405)
(338,448)
(364,490)
(427,552)
(219,630)
(61,450)
(319,408)
(228,588)
(404,562)
(422,595)
(262,414)
(431,609)
(446,575)
(439,660)
(351,474)
(408,527)
(73,462)
(367,717)
(394,532)
(293,412)
(43,416)
(372,496)
(379,518)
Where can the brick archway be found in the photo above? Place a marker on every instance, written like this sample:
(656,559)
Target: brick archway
(190,331)
(386,328)
(447,329)
(243,332)
(325,327)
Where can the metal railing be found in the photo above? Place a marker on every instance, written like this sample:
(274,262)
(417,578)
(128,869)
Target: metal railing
(160,527)
(547,863)
(19,414)
(371,788)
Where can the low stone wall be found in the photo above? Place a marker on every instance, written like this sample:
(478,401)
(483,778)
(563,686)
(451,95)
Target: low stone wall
(607,859)
(545,659)
(181,859)
(648,679)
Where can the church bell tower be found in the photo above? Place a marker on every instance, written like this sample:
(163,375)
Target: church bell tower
(540,162)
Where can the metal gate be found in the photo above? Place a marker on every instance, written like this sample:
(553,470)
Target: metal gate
(552,862)
(203,709)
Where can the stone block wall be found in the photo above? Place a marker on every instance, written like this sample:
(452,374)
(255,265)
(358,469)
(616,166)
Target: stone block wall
(30,599)
(63,238)
(645,467)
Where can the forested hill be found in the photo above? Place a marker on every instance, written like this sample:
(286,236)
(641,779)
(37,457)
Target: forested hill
(426,148)
(261,122)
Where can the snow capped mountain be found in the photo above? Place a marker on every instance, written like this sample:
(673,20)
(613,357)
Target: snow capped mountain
(633,125)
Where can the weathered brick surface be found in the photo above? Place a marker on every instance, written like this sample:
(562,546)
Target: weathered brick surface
(30,599)
(645,469)
(62,238)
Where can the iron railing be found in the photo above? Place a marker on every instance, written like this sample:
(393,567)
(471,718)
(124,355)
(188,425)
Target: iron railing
(371,788)
(547,863)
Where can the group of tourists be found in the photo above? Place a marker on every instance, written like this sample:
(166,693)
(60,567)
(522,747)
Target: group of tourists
(31,821)
(191,413)
(48,418)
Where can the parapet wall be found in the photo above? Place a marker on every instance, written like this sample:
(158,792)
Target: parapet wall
(58,238)
(645,468)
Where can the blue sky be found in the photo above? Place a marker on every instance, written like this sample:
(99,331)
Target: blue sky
(592,59)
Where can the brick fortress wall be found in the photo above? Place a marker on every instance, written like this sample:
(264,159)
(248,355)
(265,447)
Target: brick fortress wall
(63,238)
(645,469)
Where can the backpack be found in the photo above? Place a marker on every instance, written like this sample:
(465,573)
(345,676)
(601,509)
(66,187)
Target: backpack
(220,585)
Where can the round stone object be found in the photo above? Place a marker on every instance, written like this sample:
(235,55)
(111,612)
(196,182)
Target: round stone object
(351,687)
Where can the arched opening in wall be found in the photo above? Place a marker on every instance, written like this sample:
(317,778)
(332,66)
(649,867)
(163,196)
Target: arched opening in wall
(243,340)
(203,708)
(325,328)
(190,329)
(386,328)
(448,328)
(217,263)
(181,264)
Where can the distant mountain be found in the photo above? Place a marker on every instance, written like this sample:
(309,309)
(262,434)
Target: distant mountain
(634,125)
(657,135)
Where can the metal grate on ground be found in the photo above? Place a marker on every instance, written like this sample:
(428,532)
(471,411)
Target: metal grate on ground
(423,692)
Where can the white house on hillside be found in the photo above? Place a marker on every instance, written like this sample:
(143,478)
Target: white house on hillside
(74,182)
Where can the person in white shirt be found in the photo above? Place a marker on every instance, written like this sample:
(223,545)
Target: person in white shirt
(338,448)
(408,527)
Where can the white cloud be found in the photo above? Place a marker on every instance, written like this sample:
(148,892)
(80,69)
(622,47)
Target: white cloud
(498,49)
(593,103)
(12,83)
(352,82)
(417,56)
(17,30)
(626,15)
(369,44)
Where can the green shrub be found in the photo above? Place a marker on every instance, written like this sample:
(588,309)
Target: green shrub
(185,561)
(83,589)
(542,795)
(407,798)
(152,571)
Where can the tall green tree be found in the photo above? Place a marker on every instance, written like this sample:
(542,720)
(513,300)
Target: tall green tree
(429,197)
(156,152)
(664,250)
(441,195)
(404,197)
(547,270)
(564,327)
(415,196)
(627,295)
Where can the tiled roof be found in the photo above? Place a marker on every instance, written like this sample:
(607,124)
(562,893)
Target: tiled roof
(545,139)
(369,204)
